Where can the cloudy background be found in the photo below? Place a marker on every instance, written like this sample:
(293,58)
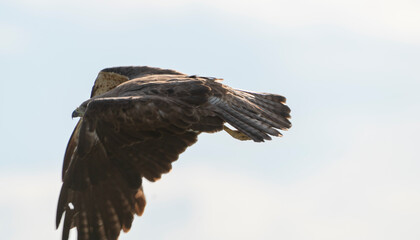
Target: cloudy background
(348,169)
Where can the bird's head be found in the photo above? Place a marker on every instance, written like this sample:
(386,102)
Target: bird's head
(79,112)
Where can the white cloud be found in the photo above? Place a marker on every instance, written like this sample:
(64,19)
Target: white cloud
(27,205)
(397,20)
(12,40)
(370,192)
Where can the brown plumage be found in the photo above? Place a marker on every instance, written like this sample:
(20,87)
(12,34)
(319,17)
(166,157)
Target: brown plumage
(136,123)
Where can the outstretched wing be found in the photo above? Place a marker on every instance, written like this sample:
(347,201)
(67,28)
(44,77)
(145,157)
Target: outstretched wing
(104,82)
(121,140)
(137,130)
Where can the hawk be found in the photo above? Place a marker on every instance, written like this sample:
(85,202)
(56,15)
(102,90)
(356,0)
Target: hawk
(136,123)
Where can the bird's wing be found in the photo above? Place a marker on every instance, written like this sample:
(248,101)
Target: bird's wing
(71,147)
(121,140)
(137,130)
(104,82)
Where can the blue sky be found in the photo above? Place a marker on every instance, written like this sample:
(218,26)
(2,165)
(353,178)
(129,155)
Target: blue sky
(348,169)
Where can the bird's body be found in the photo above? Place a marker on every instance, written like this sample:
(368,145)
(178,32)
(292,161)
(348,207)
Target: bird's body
(136,123)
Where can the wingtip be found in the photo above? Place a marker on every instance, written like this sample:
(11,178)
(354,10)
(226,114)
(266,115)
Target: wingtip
(125,229)
(58,220)
(58,217)
(60,206)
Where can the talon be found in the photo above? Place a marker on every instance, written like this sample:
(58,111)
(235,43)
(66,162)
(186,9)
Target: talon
(236,134)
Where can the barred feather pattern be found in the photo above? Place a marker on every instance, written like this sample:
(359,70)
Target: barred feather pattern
(100,206)
(135,125)
(258,115)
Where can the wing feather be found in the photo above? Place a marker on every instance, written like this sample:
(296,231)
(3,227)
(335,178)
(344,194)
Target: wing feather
(71,147)
(103,180)
(257,115)
(136,128)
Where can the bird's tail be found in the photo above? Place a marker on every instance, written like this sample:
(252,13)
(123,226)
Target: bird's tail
(256,116)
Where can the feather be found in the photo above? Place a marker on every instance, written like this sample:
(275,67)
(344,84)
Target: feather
(135,125)
(256,115)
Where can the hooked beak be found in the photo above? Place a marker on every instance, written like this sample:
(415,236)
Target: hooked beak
(76,113)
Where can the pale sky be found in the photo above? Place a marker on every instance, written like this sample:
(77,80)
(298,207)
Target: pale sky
(348,169)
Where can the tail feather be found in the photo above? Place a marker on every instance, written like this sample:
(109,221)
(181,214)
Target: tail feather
(254,120)
(283,121)
(240,123)
(274,103)
(274,98)
(257,115)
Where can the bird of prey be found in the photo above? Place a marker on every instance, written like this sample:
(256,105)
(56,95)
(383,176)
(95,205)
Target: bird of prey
(136,123)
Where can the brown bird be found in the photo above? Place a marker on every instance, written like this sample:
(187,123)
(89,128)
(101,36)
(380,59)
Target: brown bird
(136,123)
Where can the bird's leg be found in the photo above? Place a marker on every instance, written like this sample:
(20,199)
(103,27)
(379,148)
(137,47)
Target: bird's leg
(236,134)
